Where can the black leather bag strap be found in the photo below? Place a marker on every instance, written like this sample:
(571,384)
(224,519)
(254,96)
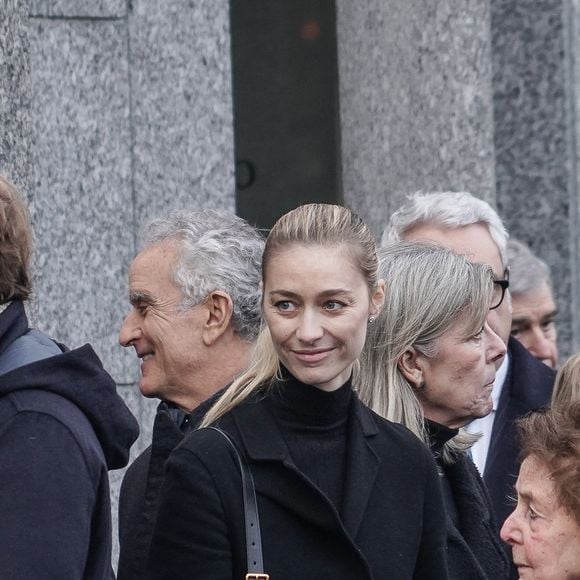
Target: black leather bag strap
(253,538)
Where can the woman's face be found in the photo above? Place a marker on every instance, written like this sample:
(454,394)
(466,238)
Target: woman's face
(456,384)
(317,305)
(544,537)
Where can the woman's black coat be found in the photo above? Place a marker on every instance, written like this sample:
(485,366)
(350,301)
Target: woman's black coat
(474,550)
(392,525)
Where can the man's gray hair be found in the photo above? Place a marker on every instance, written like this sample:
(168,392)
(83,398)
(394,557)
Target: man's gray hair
(446,209)
(527,271)
(218,251)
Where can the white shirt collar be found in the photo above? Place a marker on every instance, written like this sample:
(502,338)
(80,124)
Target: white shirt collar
(500,377)
(3,307)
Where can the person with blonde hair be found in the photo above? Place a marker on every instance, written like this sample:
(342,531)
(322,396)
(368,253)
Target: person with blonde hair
(544,528)
(63,428)
(429,363)
(341,493)
(567,384)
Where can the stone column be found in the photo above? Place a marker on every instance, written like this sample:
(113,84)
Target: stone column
(132,116)
(416,101)
(533,45)
(15,93)
(572,43)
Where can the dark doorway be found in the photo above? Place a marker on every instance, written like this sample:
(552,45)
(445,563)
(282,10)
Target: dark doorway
(286,108)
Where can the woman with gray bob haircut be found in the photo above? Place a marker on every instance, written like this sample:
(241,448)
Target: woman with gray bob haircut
(429,363)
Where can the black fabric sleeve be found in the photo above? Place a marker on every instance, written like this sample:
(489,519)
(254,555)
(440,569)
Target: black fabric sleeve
(47,497)
(432,557)
(191,534)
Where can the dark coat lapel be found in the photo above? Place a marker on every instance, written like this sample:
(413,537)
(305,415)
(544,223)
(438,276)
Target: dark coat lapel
(362,467)
(478,552)
(275,474)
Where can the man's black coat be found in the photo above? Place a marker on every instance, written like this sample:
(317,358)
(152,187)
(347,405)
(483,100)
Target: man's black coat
(392,525)
(139,495)
(528,387)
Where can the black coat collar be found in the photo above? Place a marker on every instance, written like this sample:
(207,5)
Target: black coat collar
(296,492)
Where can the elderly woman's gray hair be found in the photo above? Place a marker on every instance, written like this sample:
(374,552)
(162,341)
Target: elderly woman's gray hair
(428,288)
(446,209)
(218,251)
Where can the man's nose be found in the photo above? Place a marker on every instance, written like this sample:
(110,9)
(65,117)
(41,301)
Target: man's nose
(130,330)
(539,345)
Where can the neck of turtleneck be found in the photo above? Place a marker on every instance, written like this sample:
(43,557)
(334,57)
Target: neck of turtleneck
(304,405)
(438,436)
(313,423)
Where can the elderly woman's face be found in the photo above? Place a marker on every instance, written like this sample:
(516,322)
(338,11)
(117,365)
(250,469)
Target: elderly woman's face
(544,537)
(457,382)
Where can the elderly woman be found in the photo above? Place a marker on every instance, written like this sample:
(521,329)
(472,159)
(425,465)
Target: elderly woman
(429,363)
(544,529)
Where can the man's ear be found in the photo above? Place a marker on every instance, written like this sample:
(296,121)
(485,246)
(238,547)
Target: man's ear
(220,309)
(410,365)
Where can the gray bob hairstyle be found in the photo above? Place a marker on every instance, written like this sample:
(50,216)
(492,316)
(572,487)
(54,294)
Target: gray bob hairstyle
(428,288)
(447,209)
(217,251)
(308,225)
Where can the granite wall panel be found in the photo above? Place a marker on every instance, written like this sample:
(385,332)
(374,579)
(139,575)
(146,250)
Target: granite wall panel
(79,8)
(15,94)
(572,44)
(182,106)
(82,183)
(416,101)
(532,144)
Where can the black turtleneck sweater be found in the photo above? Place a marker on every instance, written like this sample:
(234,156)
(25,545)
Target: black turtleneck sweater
(438,436)
(313,423)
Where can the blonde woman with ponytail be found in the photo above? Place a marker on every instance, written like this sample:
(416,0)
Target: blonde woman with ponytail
(341,493)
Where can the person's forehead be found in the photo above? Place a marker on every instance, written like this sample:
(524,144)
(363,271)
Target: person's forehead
(534,481)
(152,269)
(474,241)
(540,299)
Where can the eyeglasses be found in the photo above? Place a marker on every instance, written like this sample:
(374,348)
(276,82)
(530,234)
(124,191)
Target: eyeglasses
(499,288)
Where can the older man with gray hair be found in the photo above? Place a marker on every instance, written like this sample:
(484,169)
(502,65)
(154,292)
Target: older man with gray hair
(468,225)
(533,308)
(195,294)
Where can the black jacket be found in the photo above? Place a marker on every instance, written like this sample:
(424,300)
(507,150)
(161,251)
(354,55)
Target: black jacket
(474,549)
(62,426)
(139,495)
(392,510)
(528,387)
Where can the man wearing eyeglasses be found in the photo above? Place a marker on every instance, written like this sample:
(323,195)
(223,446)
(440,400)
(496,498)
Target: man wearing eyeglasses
(470,226)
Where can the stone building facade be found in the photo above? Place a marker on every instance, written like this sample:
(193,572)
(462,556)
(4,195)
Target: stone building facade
(113,112)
